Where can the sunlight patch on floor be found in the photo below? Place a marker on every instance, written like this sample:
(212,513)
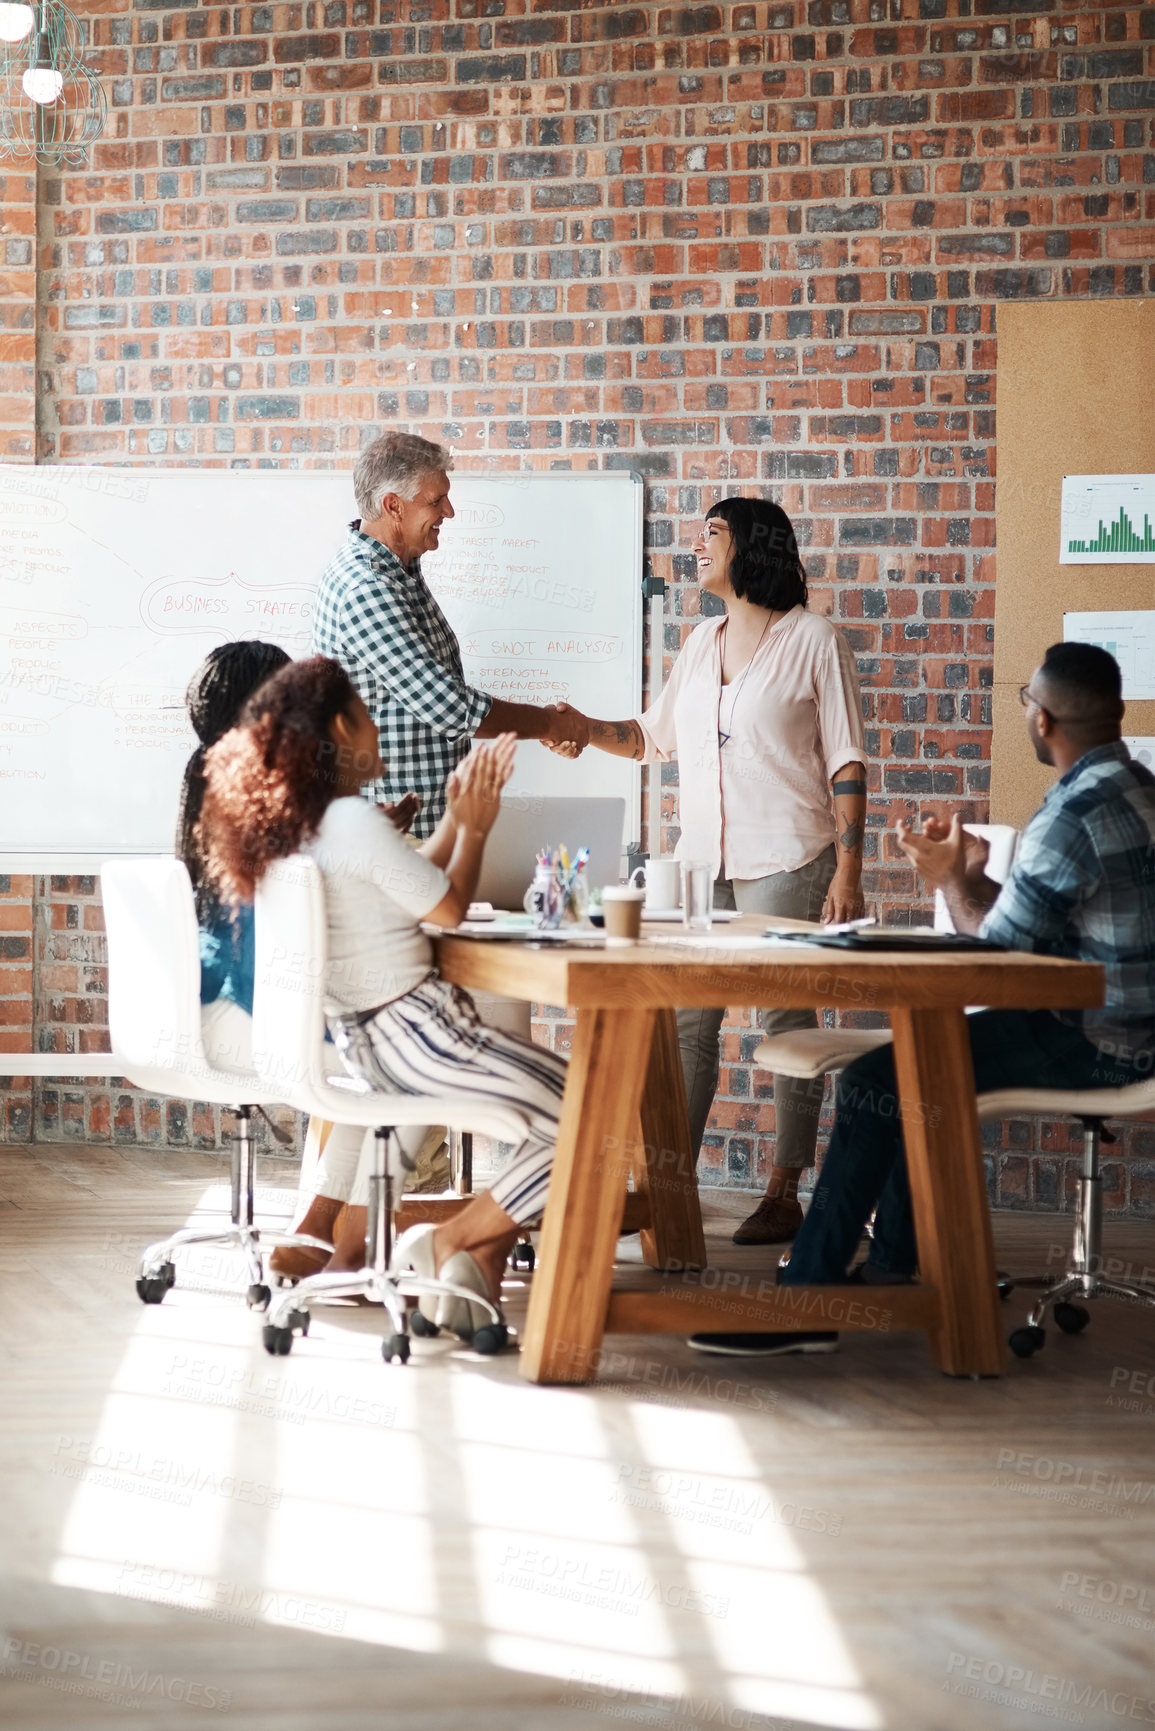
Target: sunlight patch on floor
(606,1542)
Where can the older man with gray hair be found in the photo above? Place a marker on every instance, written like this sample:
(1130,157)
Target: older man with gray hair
(375,615)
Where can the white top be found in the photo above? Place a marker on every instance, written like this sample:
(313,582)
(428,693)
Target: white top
(377,887)
(761,803)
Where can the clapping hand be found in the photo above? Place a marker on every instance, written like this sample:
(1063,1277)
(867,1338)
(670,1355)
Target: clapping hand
(402,812)
(940,854)
(569,731)
(473,791)
(976,848)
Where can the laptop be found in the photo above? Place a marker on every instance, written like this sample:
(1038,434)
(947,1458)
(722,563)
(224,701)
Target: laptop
(526,824)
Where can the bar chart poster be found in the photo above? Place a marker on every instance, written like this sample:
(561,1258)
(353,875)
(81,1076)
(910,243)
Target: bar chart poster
(1108,520)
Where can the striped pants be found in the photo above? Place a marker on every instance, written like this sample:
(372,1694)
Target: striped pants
(432,1042)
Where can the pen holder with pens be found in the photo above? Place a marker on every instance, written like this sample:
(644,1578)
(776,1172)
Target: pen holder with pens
(559,894)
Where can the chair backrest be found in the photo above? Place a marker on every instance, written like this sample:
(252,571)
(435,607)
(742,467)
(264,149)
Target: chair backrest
(154,969)
(289,1049)
(1003,840)
(288,987)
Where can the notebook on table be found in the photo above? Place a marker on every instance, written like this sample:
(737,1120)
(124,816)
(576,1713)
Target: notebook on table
(888,938)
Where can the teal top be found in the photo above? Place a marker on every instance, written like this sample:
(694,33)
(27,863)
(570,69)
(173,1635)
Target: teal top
(228,960)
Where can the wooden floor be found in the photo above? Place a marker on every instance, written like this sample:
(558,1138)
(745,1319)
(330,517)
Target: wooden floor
(197,1533)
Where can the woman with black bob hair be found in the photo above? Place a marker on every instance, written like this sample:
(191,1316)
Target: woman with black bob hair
(763,714)
(765,566)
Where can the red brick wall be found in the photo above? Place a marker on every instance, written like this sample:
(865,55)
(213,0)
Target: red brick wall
(16,942)
(17,313)
(733,245)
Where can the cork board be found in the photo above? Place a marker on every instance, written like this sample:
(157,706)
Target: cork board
(1076,395)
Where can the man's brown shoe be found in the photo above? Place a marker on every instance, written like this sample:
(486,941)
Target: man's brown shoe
(776,1219)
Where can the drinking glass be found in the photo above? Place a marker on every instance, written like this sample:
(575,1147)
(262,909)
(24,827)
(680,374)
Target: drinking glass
(697,896)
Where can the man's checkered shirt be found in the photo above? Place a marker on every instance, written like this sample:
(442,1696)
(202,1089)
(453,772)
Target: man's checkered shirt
(384,627)
(1083,885)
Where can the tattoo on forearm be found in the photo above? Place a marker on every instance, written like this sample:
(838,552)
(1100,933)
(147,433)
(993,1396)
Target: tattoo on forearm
(852,788)
(622,732)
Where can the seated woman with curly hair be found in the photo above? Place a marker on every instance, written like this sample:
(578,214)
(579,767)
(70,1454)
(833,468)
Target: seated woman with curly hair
(287,779)
(217,693)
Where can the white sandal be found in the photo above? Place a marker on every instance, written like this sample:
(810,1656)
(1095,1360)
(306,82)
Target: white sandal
(457,1314)
(414,1249)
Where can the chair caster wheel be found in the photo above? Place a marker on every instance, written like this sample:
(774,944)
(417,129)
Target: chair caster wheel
(167,1273)
(1025,1342)
(395,1346)
(422,1327)
(1072,1318)
(299,1320)
(523,1256)
(1006,1287)
(278,1341)
(259,1296)
(151,1288)
(494,1337)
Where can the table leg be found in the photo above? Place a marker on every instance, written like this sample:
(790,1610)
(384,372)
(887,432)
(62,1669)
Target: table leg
(664,1166)
(571,1288)
(940,1129)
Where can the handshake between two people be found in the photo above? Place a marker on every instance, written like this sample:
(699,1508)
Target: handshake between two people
(568,730)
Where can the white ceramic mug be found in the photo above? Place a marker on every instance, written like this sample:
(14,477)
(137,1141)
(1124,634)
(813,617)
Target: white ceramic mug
(663,885)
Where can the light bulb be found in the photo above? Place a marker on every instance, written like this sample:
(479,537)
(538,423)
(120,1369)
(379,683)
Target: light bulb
(42,84)
(15,22)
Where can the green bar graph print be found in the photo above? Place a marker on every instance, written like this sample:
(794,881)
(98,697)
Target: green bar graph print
(1121,536)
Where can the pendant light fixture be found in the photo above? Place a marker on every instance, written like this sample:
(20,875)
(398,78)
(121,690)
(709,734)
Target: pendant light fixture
(51,105)
(16,22)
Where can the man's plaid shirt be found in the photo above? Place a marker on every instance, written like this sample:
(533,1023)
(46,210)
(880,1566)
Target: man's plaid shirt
(384,627)
(1083,885)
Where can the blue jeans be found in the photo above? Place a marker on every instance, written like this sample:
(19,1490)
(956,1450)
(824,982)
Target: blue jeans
(865,1167)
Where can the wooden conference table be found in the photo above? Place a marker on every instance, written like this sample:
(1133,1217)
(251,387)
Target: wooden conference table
(624,1111)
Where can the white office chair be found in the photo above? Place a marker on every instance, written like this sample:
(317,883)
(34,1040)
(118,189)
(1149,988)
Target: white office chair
(1084,1276)
(291,1055)
(154,1015)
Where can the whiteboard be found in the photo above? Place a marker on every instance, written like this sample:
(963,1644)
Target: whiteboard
(115,583)
(540,576)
